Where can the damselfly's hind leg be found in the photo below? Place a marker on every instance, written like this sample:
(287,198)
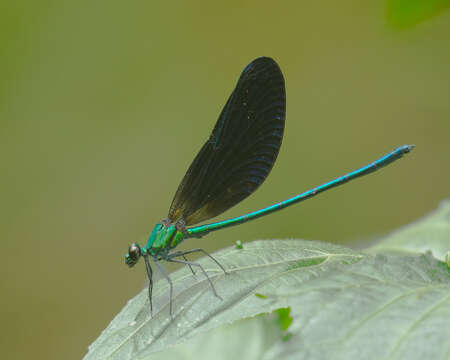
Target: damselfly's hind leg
(171,259)
(184,253)
(190,266)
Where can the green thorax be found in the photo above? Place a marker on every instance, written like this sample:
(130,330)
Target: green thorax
(164,238)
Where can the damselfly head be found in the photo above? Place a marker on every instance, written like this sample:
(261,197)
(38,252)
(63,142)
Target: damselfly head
(134,253)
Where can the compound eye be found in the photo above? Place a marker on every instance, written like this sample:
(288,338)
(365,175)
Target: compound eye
(134,253)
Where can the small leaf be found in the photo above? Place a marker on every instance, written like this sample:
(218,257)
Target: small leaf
(284,318)
(261,296)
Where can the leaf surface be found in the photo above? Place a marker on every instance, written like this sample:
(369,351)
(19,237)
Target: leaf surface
(344,304)
(431,233)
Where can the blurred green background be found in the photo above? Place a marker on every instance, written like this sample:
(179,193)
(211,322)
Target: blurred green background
(104,104)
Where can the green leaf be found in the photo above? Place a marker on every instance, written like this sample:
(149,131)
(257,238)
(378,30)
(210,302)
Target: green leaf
(432,233)
(343,305)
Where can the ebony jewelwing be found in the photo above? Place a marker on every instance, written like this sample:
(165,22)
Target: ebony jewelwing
(231,165)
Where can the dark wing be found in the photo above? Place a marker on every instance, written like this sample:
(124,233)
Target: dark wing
(241,150)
